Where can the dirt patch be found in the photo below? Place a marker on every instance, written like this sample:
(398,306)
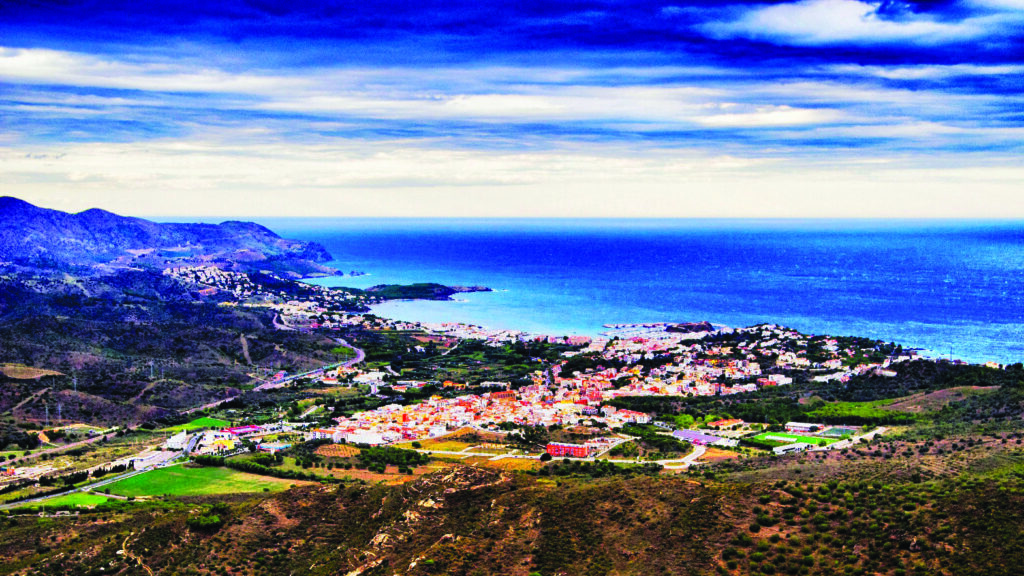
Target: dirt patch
(20,372)
(391,476)
(920,403)
(718,455)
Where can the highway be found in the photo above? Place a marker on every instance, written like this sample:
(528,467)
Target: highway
(93,486)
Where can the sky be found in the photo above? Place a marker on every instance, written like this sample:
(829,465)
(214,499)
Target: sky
(808,108)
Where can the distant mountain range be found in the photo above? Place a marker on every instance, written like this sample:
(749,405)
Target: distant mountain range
(100,241)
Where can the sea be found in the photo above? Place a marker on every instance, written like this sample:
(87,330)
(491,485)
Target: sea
(949,288)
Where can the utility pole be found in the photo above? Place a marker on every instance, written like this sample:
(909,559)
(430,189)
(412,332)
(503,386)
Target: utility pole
(60,405)
(74,382)
(47,414)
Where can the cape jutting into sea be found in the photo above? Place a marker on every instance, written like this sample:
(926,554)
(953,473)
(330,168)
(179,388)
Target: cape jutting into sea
(949,287)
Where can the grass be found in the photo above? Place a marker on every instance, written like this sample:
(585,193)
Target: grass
(764,437)
(185,481)
(198,423)
(78,500)
(857,409)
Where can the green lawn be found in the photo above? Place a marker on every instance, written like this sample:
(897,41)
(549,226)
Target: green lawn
(203,422)
(77,499)
(764,437)
(184,481)
(857,409)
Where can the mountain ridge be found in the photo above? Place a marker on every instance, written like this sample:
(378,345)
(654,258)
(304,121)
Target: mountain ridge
(42,238)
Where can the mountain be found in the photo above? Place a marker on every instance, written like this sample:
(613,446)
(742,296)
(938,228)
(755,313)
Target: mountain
(36,237)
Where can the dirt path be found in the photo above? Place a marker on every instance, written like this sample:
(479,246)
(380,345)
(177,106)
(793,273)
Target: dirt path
(60,448)
(31,397)
(245,349)
(128,554)
(144,390)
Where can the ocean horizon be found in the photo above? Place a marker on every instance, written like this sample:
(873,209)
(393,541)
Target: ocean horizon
(947,287)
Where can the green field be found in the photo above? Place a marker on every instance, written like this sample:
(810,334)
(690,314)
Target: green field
(184,481)
(198,423)
(82,499)
(763,437)
(863,410)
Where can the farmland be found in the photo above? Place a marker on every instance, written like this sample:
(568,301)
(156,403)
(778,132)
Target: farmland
(186,481)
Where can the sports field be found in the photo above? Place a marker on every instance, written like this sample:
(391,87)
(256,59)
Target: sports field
(781,438)
(199,423)
(185,481)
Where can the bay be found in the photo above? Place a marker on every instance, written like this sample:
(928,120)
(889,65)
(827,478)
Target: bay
(950,287)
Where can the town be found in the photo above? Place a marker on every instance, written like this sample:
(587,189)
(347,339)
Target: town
(573,396)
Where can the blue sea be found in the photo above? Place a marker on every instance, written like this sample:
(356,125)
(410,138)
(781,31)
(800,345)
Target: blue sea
(950,288)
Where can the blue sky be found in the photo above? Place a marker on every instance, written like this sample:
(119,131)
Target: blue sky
(256,108)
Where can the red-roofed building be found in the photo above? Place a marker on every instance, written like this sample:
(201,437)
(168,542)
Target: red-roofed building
(559,449)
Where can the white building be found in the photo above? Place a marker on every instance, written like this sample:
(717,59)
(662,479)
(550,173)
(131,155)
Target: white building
(178,441)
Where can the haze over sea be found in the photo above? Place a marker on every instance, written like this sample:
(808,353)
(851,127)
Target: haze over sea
(949,287)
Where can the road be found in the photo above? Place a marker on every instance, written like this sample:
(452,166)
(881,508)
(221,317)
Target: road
(87,488)
(36,453)
(687,461)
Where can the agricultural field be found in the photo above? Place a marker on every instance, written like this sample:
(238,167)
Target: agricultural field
(506,464)
(198,423)
(186,481)
(337,451)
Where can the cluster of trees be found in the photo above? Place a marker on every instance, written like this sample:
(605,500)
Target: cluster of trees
(659,444)
(11,435)
(597,469)
(253,467)
(101,472)
(376,459)
(67,479)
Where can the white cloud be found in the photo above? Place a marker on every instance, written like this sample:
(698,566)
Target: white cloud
(401,178)
(929,72)
(769,116)
(823,22)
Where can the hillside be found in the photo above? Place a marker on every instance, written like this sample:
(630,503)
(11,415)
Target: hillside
(469,521)
(35,238)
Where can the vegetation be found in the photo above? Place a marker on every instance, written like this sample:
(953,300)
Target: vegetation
(198,424)
(188,481)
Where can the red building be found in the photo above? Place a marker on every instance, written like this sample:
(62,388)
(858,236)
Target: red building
(573,450)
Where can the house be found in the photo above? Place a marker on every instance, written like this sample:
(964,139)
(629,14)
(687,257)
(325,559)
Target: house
(633,417)
(560,449)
